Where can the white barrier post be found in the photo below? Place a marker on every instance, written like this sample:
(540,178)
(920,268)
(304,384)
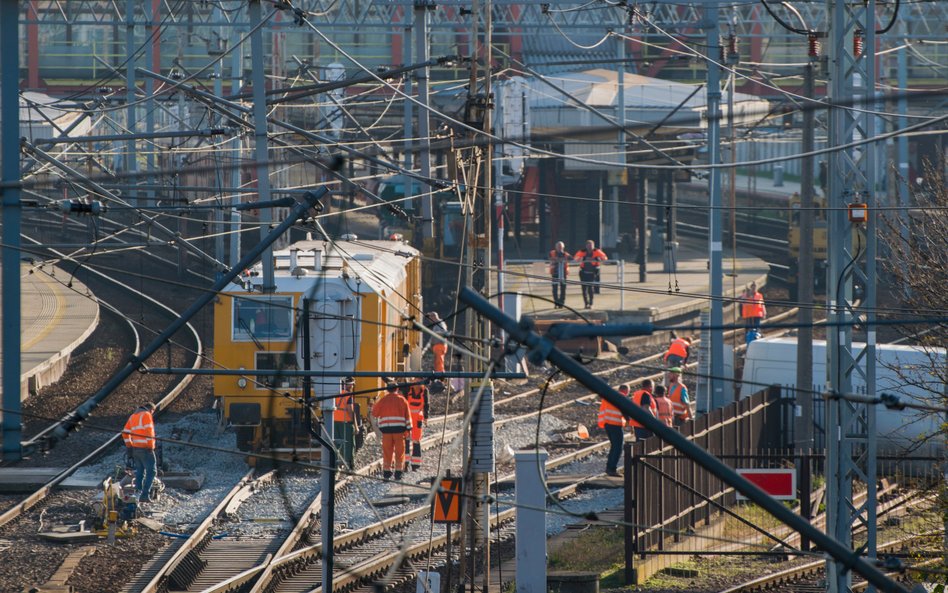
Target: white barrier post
(621,275)
(531,522)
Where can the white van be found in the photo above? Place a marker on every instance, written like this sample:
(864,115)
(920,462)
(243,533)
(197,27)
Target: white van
(905,371)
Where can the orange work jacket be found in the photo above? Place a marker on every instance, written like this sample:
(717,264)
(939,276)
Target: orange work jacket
(753,306)
(663,406)
(678,347)
(418,401)
(345,411)
(609,414)
(392,413)
(139,431)
(590,260)
(556,261)
(637,398)
(682,410)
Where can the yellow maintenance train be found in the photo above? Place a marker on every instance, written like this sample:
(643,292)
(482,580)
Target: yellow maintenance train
(358,298)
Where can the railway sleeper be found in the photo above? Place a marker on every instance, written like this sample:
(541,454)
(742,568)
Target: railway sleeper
(190,567)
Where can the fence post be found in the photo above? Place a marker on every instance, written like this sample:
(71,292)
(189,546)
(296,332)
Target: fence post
(804,485)
(621,280)
(631,520)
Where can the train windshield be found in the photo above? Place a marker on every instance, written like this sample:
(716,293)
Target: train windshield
(262,319)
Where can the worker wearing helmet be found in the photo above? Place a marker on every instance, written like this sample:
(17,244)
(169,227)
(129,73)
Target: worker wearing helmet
(393,419)
(417,397)
(678,395)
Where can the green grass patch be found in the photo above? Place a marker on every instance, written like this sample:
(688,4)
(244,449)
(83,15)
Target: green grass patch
(597,549)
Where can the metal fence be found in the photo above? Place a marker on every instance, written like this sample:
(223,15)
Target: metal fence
(668,494)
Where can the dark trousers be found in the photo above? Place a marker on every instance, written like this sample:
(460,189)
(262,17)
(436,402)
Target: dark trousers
(590,281)
(146,466)
(752,322)
(674,360)
(343,435)
(642,433)
(614,432)
(559,291)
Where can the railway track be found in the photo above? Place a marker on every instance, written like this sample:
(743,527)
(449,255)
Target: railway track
(293,551)
(173,389)
(810,576)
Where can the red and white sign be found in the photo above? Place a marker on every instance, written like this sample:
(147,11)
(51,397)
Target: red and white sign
(779,483)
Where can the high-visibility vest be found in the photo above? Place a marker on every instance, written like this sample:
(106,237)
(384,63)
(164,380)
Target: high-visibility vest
(392,413)
(344,411)
(675,392)
(637,400)
(753,306)
(678,347)
(663,406)
(139,431)
(590,260)
(609,414)
(559,262)
(417,399)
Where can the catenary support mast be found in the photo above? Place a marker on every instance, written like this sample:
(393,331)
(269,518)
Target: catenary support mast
(851,446)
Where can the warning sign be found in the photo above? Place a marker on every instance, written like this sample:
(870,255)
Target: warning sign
(446,506)
(779,483)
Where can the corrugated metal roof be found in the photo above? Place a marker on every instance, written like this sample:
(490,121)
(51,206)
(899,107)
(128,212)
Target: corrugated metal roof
(545,53)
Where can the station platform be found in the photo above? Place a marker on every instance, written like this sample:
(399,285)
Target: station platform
(54,320)
(624,299)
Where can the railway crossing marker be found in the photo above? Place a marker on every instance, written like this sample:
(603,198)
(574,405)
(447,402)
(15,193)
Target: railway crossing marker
(781,484)
(446,506)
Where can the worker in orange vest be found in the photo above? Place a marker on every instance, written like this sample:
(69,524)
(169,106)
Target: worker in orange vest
(559,270)
(393,419)
(417,397)
(678,351)
(613,421)
(643,399)
(139,437)
(590,260)
(752,307)
(438,346)
(678,395)
(345,421)
(663,405)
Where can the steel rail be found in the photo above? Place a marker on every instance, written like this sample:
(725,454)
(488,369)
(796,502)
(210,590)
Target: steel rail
(380,529)
(790,574)
(244,487)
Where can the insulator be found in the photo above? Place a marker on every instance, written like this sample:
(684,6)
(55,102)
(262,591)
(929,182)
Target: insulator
(857,43)
(91,207)
(732,44)
(813,46)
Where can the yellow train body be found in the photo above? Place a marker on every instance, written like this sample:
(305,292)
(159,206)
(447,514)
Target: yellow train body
(362,297)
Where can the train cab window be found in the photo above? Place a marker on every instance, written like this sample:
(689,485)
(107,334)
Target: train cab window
(278,361)
(262,319)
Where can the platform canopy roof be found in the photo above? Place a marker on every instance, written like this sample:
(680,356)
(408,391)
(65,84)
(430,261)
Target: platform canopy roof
(648,101)
(580,109)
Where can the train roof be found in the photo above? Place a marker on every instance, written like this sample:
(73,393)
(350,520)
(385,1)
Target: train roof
(380,265)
